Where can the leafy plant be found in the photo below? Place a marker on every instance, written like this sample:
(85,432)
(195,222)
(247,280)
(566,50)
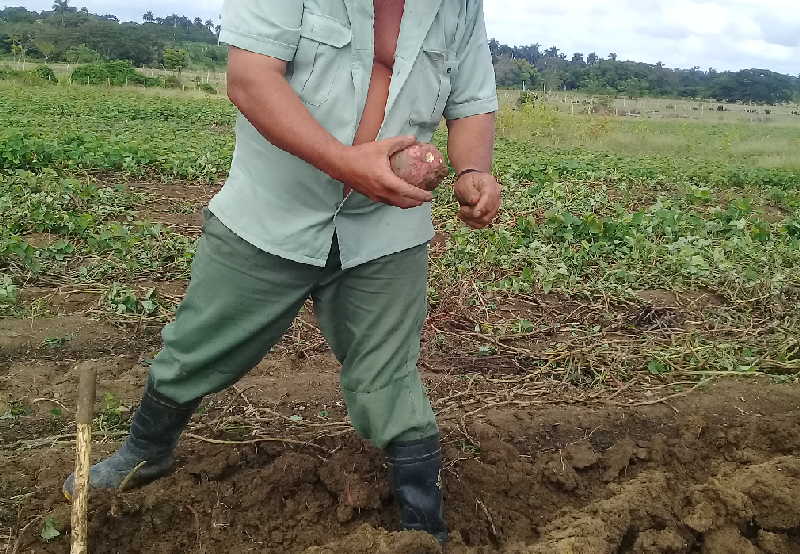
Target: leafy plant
(49,530)
(55,342)
(8,290)
(205,87)
(113,415)
(123,300)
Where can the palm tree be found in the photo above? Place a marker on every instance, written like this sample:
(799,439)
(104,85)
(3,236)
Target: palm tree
(61,7)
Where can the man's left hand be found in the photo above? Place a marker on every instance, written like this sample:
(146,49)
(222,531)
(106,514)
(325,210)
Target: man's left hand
(479,196)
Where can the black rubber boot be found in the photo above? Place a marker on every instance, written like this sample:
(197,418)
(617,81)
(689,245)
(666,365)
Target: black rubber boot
(155,429)
(417,485)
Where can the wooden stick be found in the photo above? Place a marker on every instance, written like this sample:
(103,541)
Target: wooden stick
(80,501)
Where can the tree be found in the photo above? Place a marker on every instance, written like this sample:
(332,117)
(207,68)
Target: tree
(18,51)
(45,48)
(516,72)
(592,74)
(61,7)
(82,54)
(175,59)
(17,15)
(553,79)
(19,46)
(148,17)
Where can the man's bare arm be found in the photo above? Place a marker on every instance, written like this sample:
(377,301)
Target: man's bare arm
(470,145)
(257,85)
(470,142)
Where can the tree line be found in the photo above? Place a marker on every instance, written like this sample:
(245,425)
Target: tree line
(68,34)
(536,68)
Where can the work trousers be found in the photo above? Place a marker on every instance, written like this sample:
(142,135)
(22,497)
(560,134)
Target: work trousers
(241,300)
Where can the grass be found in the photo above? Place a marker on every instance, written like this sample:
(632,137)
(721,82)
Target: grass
(599,212)
(773,144)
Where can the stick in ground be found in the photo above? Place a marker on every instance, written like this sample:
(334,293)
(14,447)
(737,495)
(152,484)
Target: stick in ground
(80,502)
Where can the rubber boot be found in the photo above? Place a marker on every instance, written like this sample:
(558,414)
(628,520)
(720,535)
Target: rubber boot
(155,429)
(417,485)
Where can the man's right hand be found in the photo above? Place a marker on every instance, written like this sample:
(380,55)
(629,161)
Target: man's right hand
(366,169)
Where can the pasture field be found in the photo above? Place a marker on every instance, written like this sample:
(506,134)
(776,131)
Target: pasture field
(614,363)
(213,77)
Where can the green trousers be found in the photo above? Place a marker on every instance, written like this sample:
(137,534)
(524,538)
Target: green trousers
(241,300)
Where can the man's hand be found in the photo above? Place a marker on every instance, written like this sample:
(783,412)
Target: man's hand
(479,196)
(366,168)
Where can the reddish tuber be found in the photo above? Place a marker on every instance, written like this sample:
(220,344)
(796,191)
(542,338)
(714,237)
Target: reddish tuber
(421,165)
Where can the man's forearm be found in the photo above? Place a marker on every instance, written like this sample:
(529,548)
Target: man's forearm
(257,85)
(266,99)
(470,143)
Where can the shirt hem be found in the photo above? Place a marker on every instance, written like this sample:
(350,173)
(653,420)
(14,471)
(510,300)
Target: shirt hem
(259,45)
(476,107)
(291,256)
(366,259)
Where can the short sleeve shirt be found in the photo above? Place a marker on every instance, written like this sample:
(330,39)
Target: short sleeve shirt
(443,68)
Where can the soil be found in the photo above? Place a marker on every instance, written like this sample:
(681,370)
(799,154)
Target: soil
(529,467)
(715,471)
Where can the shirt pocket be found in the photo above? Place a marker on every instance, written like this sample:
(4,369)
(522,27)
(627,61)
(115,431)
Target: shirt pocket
(321,57)
(433,79)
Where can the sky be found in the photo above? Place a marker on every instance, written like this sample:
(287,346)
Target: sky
(724,34)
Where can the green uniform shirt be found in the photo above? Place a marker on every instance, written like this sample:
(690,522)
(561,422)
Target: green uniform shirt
(285,206)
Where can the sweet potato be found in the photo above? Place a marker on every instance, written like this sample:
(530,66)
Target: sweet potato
(421,165)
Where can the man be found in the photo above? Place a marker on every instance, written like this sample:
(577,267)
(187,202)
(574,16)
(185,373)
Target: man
(328,90)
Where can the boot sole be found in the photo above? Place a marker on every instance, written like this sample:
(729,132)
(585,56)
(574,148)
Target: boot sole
(133,485)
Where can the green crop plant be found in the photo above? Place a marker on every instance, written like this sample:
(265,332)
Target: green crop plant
(596,210)
(113,416)
(123,300)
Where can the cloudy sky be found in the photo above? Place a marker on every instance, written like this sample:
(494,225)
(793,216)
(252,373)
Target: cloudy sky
(724,34)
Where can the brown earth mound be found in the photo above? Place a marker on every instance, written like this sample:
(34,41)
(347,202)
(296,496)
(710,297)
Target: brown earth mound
(717,472)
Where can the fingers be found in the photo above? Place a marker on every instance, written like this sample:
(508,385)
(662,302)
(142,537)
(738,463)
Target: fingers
(484,211)
(401,194)
(486,206)
(470,220)
(396,144)
(468,195)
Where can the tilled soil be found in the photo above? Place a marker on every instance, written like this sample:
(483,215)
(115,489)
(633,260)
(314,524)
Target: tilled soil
(714,471)
(529,468)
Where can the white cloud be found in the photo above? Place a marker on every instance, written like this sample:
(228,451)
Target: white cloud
(725,34)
